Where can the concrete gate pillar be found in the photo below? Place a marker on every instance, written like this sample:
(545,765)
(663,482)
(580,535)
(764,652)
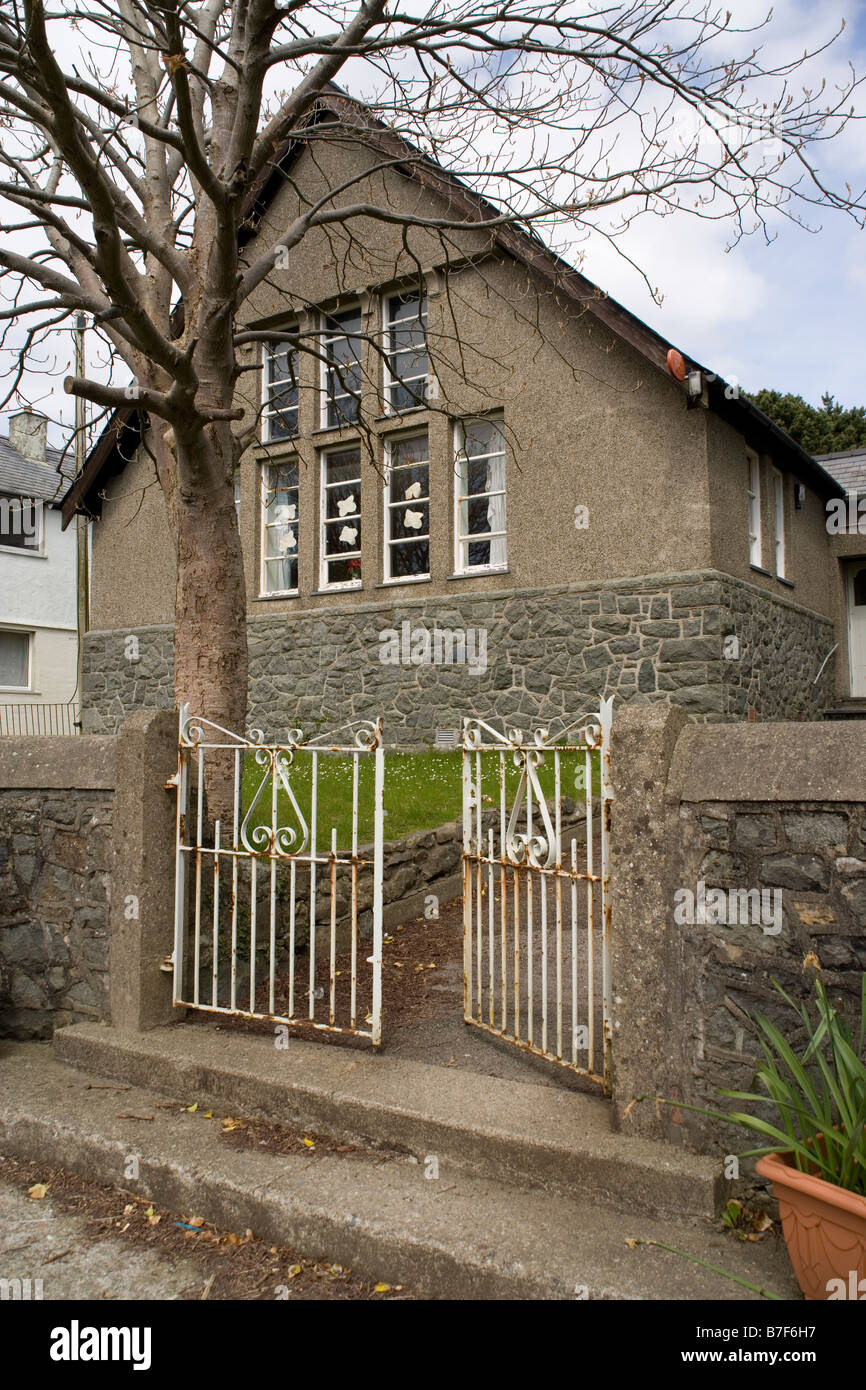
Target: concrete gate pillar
(142,881)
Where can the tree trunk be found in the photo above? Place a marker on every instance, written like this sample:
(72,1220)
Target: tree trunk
(210,639)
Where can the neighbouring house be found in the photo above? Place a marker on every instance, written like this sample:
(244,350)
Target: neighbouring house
(496,491)
(38,584)
(847,524)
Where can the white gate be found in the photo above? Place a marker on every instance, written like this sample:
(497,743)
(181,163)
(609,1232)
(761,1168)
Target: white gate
(536,903)
(277,906)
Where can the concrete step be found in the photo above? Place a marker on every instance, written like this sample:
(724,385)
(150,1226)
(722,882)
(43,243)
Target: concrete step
(460,1236)
(537,1136)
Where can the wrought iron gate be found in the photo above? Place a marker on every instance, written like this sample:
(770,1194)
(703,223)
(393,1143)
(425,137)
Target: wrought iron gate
(274,916)
(536,901)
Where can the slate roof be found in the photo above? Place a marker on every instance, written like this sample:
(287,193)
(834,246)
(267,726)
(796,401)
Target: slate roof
(24,478)
(848,467)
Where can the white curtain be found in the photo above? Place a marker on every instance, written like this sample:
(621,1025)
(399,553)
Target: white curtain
(496,509)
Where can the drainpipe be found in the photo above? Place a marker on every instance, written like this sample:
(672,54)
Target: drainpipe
(82,524)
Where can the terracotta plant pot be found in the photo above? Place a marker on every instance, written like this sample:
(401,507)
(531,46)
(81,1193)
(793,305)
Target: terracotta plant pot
(825,1230)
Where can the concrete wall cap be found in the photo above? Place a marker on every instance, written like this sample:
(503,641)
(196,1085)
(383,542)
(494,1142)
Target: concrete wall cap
(84,762)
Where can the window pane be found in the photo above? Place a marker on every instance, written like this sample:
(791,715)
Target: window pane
(341,346)
(341,526)
(408,361)
(280,521)
(410,559)
(281,403)
(19,522)
(15,659)
(480,479)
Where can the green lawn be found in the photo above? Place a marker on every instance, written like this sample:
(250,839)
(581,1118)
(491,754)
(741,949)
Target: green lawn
(422,790)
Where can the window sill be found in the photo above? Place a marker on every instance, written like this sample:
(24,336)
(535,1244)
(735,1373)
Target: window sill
(788,583)
(402,583)
(333,429)
(759,569)
(478,573)
(285,593)
(399,414)
(339,589)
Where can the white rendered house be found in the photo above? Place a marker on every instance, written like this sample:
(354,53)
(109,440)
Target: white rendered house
(38,584)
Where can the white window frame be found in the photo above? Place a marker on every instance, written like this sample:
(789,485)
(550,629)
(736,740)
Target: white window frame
(264,491)
(40,505)
(283,439)
(30,635)
(324,487)
(753,493)
(326,337)
(389,577)
(389,381)
(779,521)
(459,497)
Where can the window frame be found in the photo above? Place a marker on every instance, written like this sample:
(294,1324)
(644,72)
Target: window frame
(267,351)
(30,636)
(389,381)
(265,466)
(325,337)
(389,506)
(780,547)
(342,585)
(460,457)
(753,495)
(39,506)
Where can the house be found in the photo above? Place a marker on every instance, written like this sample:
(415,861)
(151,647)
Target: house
(847,526)
(38,584)
(494,490)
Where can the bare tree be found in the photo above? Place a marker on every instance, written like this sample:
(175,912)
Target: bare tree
(137,135)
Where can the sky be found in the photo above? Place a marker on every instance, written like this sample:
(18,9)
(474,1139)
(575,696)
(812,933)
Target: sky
(789,315)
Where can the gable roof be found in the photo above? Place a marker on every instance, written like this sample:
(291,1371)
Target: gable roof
(335,107)
(848,467)
(24,477)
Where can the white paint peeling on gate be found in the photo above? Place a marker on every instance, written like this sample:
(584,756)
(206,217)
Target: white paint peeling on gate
(536,893)
(273,845)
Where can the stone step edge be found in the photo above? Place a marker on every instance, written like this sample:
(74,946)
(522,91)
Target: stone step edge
(651,1177)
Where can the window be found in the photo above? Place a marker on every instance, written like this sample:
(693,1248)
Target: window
(480,496)
(341,370)
(15,660)
(754,495)
(341,519)
(407,508)
(20,523)
(779,519)
(279,528)
(406,359)
(237,489)
(280,415)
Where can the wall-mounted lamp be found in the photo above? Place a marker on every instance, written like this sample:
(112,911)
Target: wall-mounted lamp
(696,385)
(799,496)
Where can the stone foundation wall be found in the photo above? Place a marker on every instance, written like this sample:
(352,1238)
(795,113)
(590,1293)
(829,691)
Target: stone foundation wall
(55,885)
(539,655)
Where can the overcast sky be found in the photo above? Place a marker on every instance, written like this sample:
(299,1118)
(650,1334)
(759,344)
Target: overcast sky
(789,315)
(792,315)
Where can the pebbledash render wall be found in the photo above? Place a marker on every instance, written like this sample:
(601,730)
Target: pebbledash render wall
(714,645)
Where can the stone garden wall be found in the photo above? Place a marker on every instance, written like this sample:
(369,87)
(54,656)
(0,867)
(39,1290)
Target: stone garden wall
(56,817)
(739,858)
(546,654)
